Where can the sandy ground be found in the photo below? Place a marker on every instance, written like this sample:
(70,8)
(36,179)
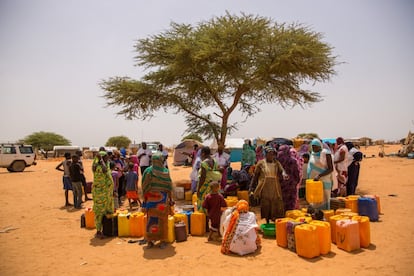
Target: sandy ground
(45,238)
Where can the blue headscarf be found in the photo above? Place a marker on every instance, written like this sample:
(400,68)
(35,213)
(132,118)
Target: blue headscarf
(316,142)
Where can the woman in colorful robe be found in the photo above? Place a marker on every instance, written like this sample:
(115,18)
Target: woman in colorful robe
(289,186)
(102,190)
(157,187)
(207,173)
(240,234)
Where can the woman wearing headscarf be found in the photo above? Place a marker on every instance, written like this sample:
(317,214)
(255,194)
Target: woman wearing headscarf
(248,154)
(290,185)
(266,181)
(341,165)
(240,231)
(157,187)
(207,173)
(320,167)
(102,190)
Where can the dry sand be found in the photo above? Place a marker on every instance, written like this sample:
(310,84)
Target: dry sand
(45,238)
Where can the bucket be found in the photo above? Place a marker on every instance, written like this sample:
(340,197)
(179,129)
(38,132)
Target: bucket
(180,230)
(314,191)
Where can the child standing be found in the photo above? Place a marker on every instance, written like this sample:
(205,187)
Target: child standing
(132,185)
(67,185)
(215,205)
(75,172)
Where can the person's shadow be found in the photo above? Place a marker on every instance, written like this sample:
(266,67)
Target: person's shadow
(157,253)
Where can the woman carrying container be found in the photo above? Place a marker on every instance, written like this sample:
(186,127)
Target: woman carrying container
(320,167)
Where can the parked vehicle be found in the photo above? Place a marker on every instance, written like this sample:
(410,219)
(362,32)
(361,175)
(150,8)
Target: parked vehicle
(16,157)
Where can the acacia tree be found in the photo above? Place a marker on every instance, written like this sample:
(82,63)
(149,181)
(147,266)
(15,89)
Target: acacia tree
(118,141)
(229,63)
(45,140)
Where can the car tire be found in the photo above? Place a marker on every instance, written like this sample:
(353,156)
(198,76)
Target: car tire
(18,166)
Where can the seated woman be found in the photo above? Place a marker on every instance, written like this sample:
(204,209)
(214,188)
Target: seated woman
(240,235)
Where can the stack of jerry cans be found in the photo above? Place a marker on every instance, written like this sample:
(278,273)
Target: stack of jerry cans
(110,225)
(337,202)
(281,231)
(198,224)
(347,235)
(368,207)
(307,241)
(136,224)
(364,230)
(324,233)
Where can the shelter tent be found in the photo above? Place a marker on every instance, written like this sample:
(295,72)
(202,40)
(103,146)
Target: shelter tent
(60,151)
(179,159)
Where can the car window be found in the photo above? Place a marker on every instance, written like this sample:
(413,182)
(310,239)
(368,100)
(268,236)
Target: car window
(26,150)
(9,150)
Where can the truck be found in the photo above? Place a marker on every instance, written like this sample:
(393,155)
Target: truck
(16,157)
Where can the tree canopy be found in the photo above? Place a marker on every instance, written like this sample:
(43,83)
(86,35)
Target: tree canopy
(45,140)
(193,136)
(229,63)
(118,141)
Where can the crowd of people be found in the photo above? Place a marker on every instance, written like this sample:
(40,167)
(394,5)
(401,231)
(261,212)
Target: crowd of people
(277,176)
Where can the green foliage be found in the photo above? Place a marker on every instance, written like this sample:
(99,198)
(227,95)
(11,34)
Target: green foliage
(307,135)
(193,136)
(229,63)
(45,140)
(118,141)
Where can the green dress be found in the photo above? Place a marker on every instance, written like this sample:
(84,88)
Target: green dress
(212,174)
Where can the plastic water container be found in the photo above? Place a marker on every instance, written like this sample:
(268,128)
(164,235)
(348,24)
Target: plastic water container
(180,232)
(179,217)
(307,241)
(377,198)
(123,224)
(314,191)
(281,234)
(110,225)
(327,214)
(368,207)
(294,214)
(188,195)
(231,201)
(342,210)
(332,221)
(347,235)
(136,224)
(364,230)
(306,219)
(351,202)
(89,218)
(290,229)
(243,195)
(324,233)
(198,224)
(179,193)
(171,230)
(188,213)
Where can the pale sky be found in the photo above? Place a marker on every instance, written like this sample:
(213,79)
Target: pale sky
(54,53)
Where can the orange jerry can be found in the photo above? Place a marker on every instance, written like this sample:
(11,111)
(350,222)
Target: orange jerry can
(281,232)
(243,195)
(347,235)
(136,224)
(324,233)
(307,240)
(332,221)
(171,229)
(351,202)
(314,191)
(89,218)
(364,230)
(327,214)
(198,224)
